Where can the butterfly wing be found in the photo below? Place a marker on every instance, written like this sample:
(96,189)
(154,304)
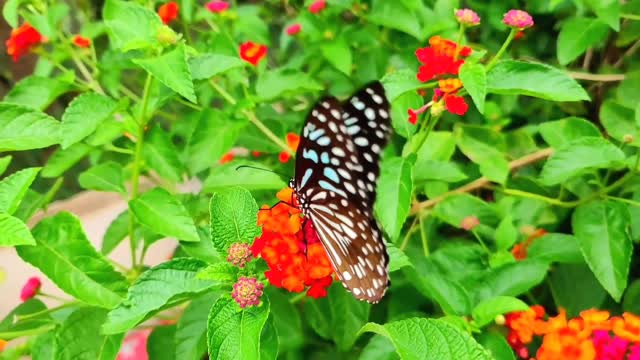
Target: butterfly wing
(367,118)
(335,187)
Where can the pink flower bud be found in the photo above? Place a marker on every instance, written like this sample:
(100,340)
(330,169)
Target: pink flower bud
(247,292)
(239,254)
(469,222)
(217,6)
(294,29)
(317,6)
(518,19)
(30,289)
(467,17)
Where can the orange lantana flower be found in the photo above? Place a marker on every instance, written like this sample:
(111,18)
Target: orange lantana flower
(627,327)
(290,247)
(293,140)
(566,344)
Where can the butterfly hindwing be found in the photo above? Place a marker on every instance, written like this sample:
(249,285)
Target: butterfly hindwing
(335,179)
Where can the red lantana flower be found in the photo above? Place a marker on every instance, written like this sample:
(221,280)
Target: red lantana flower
(440,58)
(293,140)
(447,90)
(168,12)
(295,257)
(252,52)
(22,39)
(81,41)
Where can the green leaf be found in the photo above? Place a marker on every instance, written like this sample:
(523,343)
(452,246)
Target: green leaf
(201,152)
(338,54)
(4,163)
(224,176)
(158,288)
(286,318)
(160,344)
(164,214)
(608,11)
(533,79)
(485,312)
(395,15)
(577,35)
(560,132)
(397,258)
(399,82)
(482,146)
(277,83)
(269,343)
(510,279)
(379,348)
(14,232)
(130,25)
(579,156)
(631,301)
(601,229)
(446,171)
(22,128)
(83,115)
(575,288)
(474,79)
(428,339)
(556,247)
(14,187)
(506,233)
(79,337)
(399,117)
(209,65)
(497,345)
(43,347)
(63,159)
(619,121)
(222,272)
(12,322)
(441,146)
(234,333)
(455,208)
(394,194)
(203,249)
(66,256)
(37,92)
(108,176)
(10,12)
(234,218)
(172,70)
(116,232)
(191,333)
(160,154)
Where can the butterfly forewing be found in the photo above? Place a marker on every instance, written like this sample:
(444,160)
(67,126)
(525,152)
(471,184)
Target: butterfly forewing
(336,173)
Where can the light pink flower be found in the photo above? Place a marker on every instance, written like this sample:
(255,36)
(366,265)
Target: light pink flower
(217,6)
(467,17)
(293,29)
(30,288)
(239,254)
(469,222)
(247,292)
(317,6)
(518,19)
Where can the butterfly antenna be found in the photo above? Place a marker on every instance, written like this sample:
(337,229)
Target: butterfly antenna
(263,169)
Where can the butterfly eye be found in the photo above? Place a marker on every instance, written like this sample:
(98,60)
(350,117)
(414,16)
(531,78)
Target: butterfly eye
(336,173)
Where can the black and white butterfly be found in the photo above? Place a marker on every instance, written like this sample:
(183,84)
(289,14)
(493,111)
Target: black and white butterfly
(335,184)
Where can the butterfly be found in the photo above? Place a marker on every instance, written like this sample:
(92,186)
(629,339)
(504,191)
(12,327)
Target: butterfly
(336,171)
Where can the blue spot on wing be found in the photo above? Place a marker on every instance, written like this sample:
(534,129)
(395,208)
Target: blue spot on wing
(324,157)
(310,154)
(331,174)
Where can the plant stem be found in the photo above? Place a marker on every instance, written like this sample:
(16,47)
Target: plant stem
(46,311)
(424,236)
(459,40)
(9,335)
(407,236)
(482,244)
(266,131)
(230,99)
(48,197)
(137,163)
(297,298)
(482,181)
(504,47)
(546,199)
(596,77)
(628,201)
(630,16)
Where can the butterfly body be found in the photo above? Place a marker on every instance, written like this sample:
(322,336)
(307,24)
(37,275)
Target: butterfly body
(335,186)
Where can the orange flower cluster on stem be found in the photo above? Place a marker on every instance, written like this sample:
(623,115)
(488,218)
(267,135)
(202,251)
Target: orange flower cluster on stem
(440,61)
(594,335)
(290,247)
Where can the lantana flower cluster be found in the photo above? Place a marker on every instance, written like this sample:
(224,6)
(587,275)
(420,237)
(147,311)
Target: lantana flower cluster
(593,335)
(291,248)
